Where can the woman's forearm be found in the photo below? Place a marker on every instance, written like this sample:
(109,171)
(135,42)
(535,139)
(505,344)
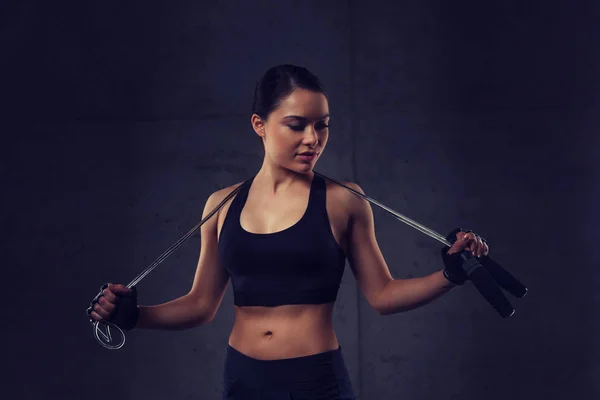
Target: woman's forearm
(182,313)
(407,294)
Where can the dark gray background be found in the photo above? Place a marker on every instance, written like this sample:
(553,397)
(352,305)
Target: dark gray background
(120,119)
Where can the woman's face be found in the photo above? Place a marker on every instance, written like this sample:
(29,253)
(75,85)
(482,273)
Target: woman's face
(296,133)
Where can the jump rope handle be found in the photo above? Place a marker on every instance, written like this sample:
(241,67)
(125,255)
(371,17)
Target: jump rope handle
(486,285)
(504,278)
(107,333)
(488,277)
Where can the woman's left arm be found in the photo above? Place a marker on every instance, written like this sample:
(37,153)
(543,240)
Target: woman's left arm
(384,293)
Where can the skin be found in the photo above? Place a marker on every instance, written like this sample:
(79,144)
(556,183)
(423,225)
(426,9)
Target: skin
(277,200)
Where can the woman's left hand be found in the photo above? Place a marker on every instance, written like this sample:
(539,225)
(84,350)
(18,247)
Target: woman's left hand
(471,242)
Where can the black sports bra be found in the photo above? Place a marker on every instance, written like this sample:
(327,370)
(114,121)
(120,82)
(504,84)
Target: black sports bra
(302,264)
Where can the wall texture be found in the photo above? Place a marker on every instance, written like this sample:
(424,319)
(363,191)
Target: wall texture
(120,120)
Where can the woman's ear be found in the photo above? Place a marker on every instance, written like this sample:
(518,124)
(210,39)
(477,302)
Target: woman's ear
(258,125)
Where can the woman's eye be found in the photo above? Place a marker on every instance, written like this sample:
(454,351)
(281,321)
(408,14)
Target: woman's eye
(300,128)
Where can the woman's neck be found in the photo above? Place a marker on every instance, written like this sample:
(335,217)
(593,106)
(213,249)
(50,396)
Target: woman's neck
(275,179)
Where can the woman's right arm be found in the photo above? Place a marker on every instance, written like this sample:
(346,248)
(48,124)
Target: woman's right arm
(200,305)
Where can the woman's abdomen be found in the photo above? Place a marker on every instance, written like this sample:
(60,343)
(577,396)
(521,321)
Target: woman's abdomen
(270,333)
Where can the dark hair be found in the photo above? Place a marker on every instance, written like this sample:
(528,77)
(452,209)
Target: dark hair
(278,83)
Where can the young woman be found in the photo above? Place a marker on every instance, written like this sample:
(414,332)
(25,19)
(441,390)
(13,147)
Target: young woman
(283,241)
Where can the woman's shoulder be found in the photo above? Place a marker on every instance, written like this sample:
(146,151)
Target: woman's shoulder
(338,190)
(218,196)
(344,197)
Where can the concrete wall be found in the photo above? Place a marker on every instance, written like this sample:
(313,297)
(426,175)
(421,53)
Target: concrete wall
(120,120)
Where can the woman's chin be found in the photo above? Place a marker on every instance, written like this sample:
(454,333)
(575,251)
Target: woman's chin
(302,168)
(307,166)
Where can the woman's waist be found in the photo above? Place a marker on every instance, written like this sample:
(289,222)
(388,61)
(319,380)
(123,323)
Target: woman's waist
(315,372)
(283,333)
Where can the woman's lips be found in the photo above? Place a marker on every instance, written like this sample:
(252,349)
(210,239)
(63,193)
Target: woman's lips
(308,157)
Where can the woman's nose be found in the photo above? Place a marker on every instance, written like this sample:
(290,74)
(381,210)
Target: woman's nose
(311,137)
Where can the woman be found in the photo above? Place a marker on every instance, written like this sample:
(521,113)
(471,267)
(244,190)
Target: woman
(283,241)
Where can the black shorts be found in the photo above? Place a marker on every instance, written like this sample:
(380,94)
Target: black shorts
(320,376)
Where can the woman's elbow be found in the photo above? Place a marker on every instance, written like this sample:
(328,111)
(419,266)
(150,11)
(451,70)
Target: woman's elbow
(379,305)
(207,317)
(200,312)
(206,312)
(382,310)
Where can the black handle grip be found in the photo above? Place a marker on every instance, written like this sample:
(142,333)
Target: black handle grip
(486,285)
(504,278)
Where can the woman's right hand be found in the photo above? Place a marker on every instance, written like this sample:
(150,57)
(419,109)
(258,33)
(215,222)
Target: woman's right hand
(116,304)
